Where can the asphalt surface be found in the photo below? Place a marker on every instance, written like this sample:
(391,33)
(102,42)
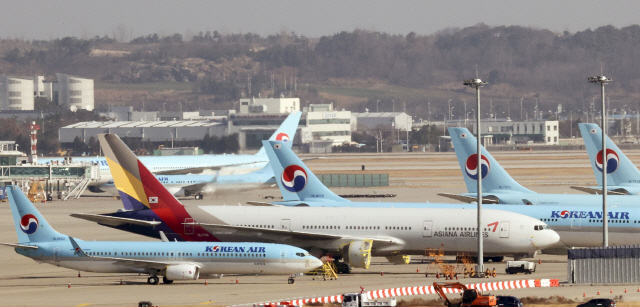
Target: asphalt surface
(24,282)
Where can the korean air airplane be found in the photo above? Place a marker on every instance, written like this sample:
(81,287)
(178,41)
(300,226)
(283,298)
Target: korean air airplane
(498,187)
(623,177)
(173,165)
(353,234)
(172,260)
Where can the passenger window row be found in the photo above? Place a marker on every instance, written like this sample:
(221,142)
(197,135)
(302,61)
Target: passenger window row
(463,228)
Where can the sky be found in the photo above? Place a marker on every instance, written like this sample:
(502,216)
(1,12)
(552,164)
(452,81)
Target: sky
(29,19)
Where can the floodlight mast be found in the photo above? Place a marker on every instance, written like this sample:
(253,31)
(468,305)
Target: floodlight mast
(605,223)
(477,83)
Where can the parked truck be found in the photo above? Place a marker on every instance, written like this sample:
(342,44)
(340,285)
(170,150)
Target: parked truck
(360,300)
(515,267)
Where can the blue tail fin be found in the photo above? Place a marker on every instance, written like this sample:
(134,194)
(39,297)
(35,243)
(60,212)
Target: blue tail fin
(31,226)
(287,130)
(295,180)
(620,170)
(494,178)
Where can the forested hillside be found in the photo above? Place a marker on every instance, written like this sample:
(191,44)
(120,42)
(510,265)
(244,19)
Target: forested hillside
(352,69)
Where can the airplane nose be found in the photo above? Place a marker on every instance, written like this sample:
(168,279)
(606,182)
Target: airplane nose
(549,238)
(315,263)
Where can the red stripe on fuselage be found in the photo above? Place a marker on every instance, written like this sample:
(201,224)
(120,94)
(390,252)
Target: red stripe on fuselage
(170,210)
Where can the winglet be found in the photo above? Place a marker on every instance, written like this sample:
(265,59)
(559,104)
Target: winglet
(77,250)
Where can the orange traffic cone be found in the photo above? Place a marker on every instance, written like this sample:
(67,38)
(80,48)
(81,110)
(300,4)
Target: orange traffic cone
(121,281)
(610,290)
(206,282)
(584,294)
(598,291)
(638,289)
(539,261)
(237,282)
(418,270)
(625,290)
(437,275)
(382,274)
(79,274)
(69,286)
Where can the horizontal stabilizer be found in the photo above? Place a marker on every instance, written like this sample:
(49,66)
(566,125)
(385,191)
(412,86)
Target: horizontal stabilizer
(114,221)
(598,191)
(470,199)
(19,245)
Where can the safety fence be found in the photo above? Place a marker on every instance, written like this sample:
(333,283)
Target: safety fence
(424,290)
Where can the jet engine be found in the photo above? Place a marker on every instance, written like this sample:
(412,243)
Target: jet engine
(182,272)
(357,253)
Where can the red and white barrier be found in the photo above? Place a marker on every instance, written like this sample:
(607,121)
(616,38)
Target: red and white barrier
(424,290)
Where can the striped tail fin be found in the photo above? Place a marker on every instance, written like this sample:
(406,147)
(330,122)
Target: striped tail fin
(140,189)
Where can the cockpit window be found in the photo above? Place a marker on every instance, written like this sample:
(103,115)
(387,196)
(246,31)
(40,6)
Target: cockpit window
(541,227)
(302,254)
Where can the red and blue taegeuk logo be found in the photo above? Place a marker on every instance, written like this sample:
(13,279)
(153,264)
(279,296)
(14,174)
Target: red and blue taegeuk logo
(282,137)
(612,161)
(294,178)
(471,167)
(29,224)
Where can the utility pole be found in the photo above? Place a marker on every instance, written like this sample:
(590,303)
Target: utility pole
(477,83)
(605,224)
(521,108)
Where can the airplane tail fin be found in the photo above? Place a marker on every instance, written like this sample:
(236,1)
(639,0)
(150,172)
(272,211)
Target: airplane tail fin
(31,226)
(494,177)
(294,178)
(286,132)
(620,170)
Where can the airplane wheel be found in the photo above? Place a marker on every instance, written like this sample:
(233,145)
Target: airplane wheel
(153,280)
(198,196)
(166,281)
(291,281)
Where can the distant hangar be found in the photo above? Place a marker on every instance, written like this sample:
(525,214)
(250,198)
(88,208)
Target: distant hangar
(155,131)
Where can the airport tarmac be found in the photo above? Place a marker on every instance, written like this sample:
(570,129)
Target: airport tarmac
(413,177)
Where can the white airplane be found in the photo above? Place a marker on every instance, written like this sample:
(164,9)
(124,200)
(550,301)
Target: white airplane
(355,234)
(172,260)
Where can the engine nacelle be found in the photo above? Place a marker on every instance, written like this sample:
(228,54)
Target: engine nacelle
(182,272)
(357,253)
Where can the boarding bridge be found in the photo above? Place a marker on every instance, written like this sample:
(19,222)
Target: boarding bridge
(65,180)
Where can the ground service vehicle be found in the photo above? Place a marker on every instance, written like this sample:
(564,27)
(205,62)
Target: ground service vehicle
(515,267)
(359,300)
(508,301)
(599,302)
(470,297)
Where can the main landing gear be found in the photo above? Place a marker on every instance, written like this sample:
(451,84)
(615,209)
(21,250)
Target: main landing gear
(198,196)
(153,280)
(291,280)
(166,281)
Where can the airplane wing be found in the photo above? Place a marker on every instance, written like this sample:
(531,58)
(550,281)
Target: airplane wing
(277,234)
(138,263)
(597,191)
(470,199)
(19,245)
(114,221)
(261,204)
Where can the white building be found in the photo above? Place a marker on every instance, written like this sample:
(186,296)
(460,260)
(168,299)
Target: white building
(74,92)
(507,132)
(381,121)
(269,105)
(16,93)
(325,123)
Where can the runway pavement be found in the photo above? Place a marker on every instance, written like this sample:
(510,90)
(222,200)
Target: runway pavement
(24,282)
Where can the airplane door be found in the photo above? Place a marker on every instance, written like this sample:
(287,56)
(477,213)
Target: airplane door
(283,256)
(188,229)
(178,255)
(504,229)
(427,227)
(56,254)
(171,256)
(284,225)
(576,222)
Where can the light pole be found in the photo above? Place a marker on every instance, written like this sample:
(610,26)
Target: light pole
(605,230)
(465,113)
(537,112)
(477,83)
(450,109)
(377,104)
(521,108)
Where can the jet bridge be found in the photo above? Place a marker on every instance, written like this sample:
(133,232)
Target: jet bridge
(64,179)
